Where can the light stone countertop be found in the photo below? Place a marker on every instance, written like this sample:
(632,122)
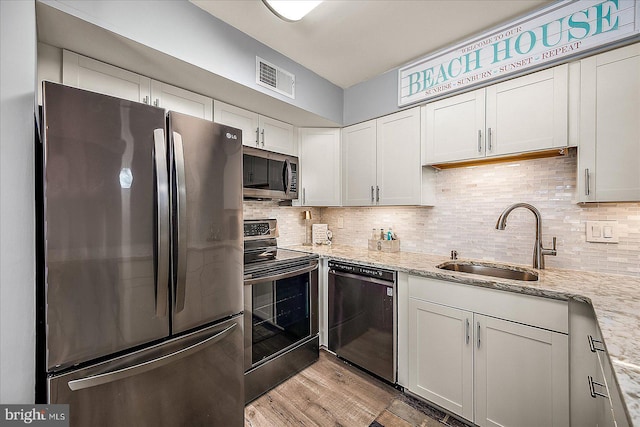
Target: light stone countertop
(615,300)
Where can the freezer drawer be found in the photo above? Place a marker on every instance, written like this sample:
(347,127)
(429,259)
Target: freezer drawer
(195,380)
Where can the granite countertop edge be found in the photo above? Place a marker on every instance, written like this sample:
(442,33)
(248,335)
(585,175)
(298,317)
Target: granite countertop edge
(615,299)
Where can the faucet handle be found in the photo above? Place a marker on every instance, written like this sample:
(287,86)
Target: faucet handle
(551,251)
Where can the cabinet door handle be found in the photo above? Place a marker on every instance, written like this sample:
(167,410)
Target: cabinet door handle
(145,100)
(489,139)
(372,194)
(377,194)
(479,141)
(595,345)
(592,388)
(262,133)
(587,191)
(257,136)
(478,334)
(156,103)
(467,330)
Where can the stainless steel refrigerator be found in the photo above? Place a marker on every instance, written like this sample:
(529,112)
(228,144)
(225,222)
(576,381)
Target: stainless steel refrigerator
(143,263)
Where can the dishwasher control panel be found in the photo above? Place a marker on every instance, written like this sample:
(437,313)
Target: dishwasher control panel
(362,270)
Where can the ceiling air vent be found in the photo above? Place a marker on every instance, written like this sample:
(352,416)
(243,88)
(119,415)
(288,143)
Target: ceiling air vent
(275,78)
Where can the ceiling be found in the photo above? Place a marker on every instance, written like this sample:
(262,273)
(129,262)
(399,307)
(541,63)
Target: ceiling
(351,41)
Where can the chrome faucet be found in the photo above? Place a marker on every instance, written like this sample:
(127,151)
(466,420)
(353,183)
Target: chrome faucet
(538,250)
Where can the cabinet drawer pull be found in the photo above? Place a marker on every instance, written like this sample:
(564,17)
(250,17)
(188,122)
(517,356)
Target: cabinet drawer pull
(587,190)
(479,141)
(467,330)
(377,194)
(489,139)
(595,345)
(478,334)
(592,388)
(372,194)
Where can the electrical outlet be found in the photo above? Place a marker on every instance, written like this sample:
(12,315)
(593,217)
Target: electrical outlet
(602,231)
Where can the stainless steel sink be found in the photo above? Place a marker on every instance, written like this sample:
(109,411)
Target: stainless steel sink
(500,271)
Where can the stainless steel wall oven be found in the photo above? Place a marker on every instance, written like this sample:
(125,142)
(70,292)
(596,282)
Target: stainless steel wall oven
(281,309)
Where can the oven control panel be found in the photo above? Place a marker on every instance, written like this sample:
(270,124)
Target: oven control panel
(362,270)
(260,229)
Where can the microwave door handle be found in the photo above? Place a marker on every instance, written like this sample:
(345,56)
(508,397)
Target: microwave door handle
(162,228)
(181,217)
(288,176)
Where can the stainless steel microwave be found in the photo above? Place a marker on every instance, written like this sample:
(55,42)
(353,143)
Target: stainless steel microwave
(269,175)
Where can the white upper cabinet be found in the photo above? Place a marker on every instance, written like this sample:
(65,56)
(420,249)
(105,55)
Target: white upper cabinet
(89,74)
(609,150)
(319,155)
(359,164)
(381,162)
(398,166)
(86,73)
(257,131)
(529,113)
(525,114)
(453,128)
(173,98)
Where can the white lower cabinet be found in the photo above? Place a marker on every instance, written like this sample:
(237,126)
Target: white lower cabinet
(489,370)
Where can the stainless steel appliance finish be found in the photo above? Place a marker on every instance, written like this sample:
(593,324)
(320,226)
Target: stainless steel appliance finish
(124,206)
(362,317)
(281,310)
(187,381)
(269,175)
(494,270)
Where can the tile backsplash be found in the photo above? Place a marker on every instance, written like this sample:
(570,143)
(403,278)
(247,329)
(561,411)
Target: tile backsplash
(468,203)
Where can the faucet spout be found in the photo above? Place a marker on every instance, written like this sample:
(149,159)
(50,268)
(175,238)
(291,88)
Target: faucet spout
(538,250)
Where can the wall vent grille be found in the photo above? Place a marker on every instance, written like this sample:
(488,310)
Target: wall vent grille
(275,78)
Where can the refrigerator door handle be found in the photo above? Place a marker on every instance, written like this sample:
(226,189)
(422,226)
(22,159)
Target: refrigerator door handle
(181,214)
(149,365)
(162,230)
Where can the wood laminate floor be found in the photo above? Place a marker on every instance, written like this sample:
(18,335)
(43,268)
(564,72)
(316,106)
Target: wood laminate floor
(332,393)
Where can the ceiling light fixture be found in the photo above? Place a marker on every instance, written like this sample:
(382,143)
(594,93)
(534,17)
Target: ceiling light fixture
(291,10)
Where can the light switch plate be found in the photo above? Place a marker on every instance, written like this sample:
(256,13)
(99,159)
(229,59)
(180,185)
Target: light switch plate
(602,231)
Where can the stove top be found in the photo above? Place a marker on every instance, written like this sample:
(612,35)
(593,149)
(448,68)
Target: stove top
(261,253)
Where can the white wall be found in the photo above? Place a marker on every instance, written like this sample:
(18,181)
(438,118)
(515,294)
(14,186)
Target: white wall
(17,247)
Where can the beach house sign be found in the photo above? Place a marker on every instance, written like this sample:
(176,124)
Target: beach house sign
(561,30)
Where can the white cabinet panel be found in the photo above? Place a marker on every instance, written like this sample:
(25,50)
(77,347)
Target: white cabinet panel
(89,74)
(441,355)
(609,149)
(521,375)
(257,131)
(528,113)
(521,115)
(320,168)
(381,162)
(173,98)
(359,164)
(399,170)
(86,73)
(491,371)
(454,128)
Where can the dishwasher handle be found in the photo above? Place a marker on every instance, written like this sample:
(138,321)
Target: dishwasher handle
(362,278)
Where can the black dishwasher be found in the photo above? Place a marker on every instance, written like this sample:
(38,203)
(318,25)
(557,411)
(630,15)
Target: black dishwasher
(362,317)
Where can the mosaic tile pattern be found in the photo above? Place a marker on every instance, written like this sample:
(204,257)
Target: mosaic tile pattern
(469,201)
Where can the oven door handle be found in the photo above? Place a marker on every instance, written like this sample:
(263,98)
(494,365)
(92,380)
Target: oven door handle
(361,278)
(250,281)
